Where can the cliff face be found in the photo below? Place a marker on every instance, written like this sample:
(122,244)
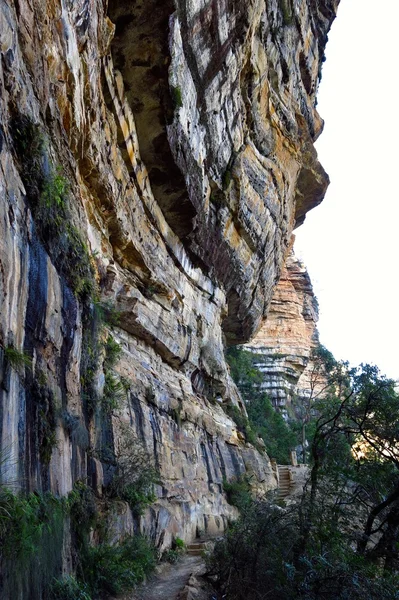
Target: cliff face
(154,162)
(286,339)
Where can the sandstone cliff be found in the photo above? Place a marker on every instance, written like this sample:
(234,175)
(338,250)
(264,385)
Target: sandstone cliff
(155,158)
(284,343)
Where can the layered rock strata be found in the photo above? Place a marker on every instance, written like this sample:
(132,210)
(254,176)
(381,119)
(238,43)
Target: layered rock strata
(284,344)
(185,135)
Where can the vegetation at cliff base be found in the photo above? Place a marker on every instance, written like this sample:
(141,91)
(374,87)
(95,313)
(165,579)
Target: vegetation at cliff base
(32,531)
(340,539)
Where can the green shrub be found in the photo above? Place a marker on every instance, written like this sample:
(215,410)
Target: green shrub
(43,398)
(68,588)
(286,9)
(83,512)
(16,359)
(258,559)
(179,544)
(278,436)
(106,312)
(114,393)
(135,473)
(114,570)
(31,541)
(112,352)
(243,425)
(238,491)
(177,97)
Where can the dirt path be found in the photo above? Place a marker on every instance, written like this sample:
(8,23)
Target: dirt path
(170,581)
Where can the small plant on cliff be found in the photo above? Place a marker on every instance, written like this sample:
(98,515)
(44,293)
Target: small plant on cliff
(115,393)
(286,9)
(16,359)
(135,473)
(177,97)
(48,193)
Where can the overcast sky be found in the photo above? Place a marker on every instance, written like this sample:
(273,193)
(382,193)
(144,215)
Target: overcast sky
(350,242)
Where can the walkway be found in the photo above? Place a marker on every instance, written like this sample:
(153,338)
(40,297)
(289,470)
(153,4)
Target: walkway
(171,580)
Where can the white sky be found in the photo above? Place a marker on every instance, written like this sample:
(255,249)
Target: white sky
(350,242)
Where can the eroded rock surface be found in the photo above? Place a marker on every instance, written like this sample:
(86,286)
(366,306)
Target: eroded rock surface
(286,339)
(185,132)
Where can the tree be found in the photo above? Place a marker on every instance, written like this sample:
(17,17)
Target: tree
(355,450)
(341,539)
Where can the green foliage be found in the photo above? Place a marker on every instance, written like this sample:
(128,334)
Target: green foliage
(112,352)
(177,97)
(29,145)
(179,544)
(324,545)
(135,474)
(16,359)
(31,537)
(44,401)
(278,436)
(106,313)
(257,559)
(90,357)
(171,556)
(48,194)
(114,393)
(286,9)
(83,513)
(238,491)
(115,388)
(242,368)
(175,552)
(114,570)
(31,541)
(68,588)
(63,240)
(243,424)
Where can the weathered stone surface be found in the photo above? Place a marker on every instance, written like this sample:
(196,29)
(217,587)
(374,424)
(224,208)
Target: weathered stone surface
(187,219)
(286,339)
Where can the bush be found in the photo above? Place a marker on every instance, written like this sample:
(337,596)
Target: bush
(114,393)
(258,559)
(135,473)
(16,359)
(243,424)
(68,588)
(238,491)
(114,570)
(176,552)
(31,540)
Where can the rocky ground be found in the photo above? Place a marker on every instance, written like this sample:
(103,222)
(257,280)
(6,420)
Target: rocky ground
(180,581)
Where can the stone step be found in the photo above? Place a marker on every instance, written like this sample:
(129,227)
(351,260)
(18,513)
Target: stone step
(196,548)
